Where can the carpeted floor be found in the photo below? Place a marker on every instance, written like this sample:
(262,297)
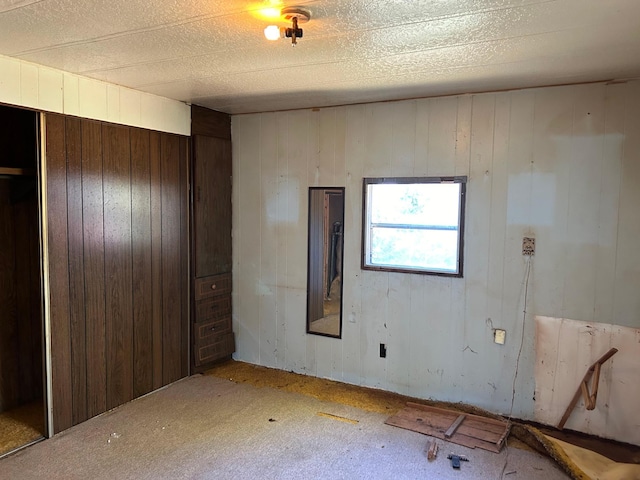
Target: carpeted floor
(206,427)
(21,426)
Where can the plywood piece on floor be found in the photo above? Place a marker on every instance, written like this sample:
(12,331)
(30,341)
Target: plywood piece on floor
(464,429)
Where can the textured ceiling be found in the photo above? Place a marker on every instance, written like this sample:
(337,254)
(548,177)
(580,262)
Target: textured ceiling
(213,52)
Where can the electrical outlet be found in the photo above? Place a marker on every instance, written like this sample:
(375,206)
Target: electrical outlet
(528,246)
(499,336)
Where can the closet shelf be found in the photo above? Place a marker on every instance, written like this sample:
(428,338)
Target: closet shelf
(24,172)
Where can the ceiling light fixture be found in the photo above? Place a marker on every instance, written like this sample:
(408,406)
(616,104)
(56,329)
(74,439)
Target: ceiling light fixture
(296,15)
(272,32)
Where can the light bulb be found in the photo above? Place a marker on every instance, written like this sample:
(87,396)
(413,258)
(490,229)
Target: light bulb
(272,32)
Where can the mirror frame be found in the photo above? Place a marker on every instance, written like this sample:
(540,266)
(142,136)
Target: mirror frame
(317,248)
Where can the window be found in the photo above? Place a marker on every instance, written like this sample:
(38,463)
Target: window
(414,225)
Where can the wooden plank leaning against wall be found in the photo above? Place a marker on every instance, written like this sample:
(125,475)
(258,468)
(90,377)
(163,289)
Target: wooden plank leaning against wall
(117,207)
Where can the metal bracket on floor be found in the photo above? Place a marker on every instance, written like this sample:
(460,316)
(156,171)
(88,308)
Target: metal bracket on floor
(456,459)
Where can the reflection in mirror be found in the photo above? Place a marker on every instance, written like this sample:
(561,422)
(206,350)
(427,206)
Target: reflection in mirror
(324,281)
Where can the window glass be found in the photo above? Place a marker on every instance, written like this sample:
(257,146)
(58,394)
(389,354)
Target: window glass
(414,224)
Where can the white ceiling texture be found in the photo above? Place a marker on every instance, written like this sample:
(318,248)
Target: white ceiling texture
(213,52)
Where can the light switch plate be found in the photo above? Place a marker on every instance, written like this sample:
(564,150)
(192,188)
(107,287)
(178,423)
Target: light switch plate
(499,336)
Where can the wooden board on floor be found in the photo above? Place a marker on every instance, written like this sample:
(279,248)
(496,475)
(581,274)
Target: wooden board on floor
(464,429)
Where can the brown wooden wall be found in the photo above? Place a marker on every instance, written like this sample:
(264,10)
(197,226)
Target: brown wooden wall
(117,208)
(21,357)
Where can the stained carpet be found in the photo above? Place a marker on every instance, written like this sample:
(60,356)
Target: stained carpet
(206,427)
(574,461)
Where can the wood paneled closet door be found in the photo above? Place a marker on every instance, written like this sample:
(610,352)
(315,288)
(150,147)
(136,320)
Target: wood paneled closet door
(211,256)
(117,204)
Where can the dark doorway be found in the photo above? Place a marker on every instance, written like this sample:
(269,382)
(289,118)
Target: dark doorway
(22,411)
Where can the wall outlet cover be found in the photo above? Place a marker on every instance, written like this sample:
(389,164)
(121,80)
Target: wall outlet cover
(528,246)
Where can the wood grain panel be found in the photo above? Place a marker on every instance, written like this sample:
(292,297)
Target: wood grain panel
(171,256)
(118,263)
(141,263)
(156,254)
(93,226)
(185,252)
(212,199)
(210,123)
(76,269)
(117,236)
(62,391)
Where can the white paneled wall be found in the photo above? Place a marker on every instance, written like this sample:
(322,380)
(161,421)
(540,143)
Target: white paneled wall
(559,372)
(33,86)
(560,164)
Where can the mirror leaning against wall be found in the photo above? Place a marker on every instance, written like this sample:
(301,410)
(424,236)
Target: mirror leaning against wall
(324,261)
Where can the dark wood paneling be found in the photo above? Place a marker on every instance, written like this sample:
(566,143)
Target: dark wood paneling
(93,226)
(117,238)
(62,392)
(141,253)
(156,255)
(171,257)
(212,206)
(120,233)
(76,269)
(184,252)
(211,259)
(210,123)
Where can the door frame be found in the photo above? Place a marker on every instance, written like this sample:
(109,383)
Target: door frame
(44,259)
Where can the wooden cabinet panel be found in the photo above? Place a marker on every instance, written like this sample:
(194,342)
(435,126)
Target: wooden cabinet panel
(213,286)
(212,319)
(205,330)
(211,237)
(210,123)
(217,347)
(211,205)
(213,308)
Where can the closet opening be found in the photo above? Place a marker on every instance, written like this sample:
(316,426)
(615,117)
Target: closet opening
(22,385)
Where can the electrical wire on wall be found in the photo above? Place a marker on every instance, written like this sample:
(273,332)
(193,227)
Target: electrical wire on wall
(527,273)
(524,317)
